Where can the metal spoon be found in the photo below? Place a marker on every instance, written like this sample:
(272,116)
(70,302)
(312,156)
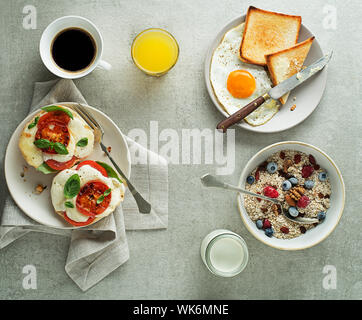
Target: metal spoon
(210,181)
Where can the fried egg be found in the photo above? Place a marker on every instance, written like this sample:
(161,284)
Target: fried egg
(72,132)
(236,83)
(70,208)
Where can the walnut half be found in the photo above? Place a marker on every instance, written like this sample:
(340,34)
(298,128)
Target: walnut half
(294,195)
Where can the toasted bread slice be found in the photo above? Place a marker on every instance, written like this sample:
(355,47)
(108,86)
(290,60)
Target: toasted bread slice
(285,63)
(267,32)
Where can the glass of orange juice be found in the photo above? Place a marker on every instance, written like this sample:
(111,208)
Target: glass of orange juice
(155,51)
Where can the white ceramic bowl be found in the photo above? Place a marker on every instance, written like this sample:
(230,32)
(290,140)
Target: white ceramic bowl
(334,213)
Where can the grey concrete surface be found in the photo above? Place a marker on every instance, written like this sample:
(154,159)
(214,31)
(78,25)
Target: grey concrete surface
(166,264)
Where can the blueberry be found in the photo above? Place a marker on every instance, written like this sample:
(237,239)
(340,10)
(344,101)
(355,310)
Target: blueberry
(269,232)
(322,176)
(250,179)
(272,167)
(259,224)
(321,216)
(293,181)
(293,211)
(309,184)
(286,185)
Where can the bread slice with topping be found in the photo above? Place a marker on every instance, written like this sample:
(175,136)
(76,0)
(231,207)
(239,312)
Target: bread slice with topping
(267,32)
(285,63)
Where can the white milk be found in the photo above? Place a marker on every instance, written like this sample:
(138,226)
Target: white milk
(224,253)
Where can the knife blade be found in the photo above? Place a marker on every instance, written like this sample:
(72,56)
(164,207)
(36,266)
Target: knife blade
(289,84)
(276,92)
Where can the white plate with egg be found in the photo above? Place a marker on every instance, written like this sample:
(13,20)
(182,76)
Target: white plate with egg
(306,97)
(23,179)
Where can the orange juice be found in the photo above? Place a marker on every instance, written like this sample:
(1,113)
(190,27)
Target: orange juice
(155,51)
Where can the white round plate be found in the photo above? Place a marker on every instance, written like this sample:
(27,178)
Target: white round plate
(39,207)
(307,94)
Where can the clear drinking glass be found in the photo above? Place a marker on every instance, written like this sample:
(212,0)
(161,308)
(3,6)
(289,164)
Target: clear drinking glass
(224,253)
(155,51)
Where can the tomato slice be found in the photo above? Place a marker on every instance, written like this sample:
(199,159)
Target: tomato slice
(58,116)
(88,195)
(54,132)
(94,165)
(76,223)
(56,165)
(53,126)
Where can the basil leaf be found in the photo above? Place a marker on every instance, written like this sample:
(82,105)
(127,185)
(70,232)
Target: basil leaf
(42,143)
(82,142)
(45,169)
(34,123)
(100,199)
(60,148)
(68,204)
(72,187)
(111,173)
(57,108)
(107,192)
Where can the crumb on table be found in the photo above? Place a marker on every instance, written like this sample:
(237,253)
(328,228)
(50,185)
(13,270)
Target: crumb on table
(39,188)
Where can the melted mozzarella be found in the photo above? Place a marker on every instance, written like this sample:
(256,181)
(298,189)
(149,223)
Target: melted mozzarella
(78,130)
(86,173)
(32,154)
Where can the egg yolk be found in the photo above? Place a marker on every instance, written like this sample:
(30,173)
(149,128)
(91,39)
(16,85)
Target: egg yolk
(240,83)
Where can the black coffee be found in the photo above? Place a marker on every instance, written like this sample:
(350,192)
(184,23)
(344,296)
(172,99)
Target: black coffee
(73,49)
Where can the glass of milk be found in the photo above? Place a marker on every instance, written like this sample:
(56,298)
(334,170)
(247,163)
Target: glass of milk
(224,253)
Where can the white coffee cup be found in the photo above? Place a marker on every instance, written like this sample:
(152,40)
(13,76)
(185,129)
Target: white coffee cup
(67,22)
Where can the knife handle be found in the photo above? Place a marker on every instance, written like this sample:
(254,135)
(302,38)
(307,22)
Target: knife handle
(242,113)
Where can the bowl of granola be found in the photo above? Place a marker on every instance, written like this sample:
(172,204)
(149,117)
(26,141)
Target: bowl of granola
(306,181)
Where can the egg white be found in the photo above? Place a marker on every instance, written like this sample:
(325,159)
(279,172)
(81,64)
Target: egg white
(78,129)
(226,59)
(86,173)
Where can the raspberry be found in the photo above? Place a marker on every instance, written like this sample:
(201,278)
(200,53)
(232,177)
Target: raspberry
(266,224)
(312,159)
(282,155)
(284,230)
(307,171)
(271,192)
(303,202)
(297,158)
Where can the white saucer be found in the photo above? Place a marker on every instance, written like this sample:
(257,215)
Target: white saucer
(39,207)
(307,95)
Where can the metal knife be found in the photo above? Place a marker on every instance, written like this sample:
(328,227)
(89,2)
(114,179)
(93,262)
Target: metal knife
(276,92)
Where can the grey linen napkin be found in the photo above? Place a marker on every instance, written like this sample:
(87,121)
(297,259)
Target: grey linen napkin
(97,250)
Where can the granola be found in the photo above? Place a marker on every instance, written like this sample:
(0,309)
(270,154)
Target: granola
(296,179)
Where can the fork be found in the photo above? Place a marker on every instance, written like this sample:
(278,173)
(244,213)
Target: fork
(142,204)
(210,181)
